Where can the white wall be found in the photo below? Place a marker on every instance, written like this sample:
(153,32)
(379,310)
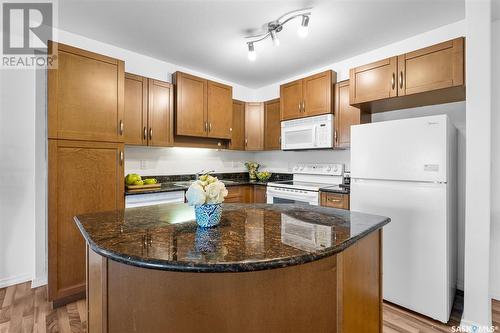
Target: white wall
(477,301)
(183,161)
(495,165)
(17,165)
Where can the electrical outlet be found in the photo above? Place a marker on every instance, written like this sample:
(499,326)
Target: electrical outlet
(142,164)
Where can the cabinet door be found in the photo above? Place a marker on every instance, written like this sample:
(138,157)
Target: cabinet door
(335,200)
(219,110)
(190,106)
(431,68)
(259,194)
(346,115)
(291,100)
(160,115)
(84,177)
(318,94)
(86,96)
(136,110)
(373,81)
(254,126)
(238,130)
(272,125)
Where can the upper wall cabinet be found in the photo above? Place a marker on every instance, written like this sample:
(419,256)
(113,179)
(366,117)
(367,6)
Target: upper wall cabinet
(431,75)
(86,96)
(309,96)
(272,125)
(148,112)
(203,108)
(238,129)
(254,126)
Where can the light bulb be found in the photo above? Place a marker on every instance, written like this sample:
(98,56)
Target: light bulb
(251,52)
(304,27)
(274,37)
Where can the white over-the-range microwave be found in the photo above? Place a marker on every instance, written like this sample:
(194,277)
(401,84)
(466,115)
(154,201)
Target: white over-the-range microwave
(307,133)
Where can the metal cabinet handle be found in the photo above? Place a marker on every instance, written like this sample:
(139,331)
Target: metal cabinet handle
(206,126)
(145,135)
(121,157)
(210,127)
(335,136)
(393,81)
(401,80)
(300,107)
(150,133)
(121,127)
(303,106)
(246,142)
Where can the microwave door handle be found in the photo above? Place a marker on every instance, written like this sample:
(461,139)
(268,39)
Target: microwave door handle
(315,136)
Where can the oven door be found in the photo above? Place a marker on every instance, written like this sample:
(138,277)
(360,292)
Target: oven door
(280,195)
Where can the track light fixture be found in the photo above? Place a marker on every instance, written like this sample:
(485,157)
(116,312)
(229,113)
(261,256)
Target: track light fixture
(276,26)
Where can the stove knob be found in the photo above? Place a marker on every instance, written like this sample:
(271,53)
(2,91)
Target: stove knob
(301,168)
(295,168)
(329,169)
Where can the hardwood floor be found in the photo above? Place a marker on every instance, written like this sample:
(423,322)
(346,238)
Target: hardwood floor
(23,309)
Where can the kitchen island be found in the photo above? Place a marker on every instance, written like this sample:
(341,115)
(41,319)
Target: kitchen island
(265,268)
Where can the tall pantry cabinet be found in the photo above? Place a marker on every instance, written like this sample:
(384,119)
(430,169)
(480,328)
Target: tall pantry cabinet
(85,158)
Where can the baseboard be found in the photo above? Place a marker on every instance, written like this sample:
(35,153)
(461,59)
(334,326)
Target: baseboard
(39,281)
(7,282)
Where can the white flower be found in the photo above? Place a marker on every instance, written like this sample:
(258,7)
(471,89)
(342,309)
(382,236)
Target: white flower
(195,195)
(215,192)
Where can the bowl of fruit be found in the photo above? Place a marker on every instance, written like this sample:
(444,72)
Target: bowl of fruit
(264,176)
(134,181)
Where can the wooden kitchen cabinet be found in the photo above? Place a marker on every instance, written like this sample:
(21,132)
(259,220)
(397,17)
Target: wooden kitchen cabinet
(160,113)
(374,81)
(84,177)
(203,108)
(346,116)
(272,125)
(239,194)
(148,112)
(260,194)
(310,96)
(135,122)
(85,96)
(334,200)
(254,126)
(431,75)
(431,68)
(238,129)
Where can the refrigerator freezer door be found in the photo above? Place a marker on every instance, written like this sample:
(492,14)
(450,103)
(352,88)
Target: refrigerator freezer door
(409,149)
(416,262)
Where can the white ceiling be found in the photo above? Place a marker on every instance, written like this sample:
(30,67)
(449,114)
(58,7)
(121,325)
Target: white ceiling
(207,36)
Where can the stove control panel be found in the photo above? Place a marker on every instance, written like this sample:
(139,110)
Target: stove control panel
(333,169)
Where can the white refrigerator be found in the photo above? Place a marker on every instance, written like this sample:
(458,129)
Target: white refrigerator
(406,170)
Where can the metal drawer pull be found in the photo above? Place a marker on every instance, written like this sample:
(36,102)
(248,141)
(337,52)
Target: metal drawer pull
(121,157)
(121,127)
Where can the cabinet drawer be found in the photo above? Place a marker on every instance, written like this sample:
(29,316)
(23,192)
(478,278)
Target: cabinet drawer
(335,200)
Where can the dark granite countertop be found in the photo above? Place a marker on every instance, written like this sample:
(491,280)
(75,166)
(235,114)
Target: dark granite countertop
(335,189)
(250,237)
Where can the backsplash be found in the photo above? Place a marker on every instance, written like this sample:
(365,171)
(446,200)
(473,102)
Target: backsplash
(237,176)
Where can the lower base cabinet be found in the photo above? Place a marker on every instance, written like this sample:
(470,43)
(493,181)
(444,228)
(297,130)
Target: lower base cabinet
(84,177)
(334,200)
(239,194)
(260,194)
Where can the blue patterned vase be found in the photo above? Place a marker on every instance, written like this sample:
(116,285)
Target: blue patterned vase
(208,215)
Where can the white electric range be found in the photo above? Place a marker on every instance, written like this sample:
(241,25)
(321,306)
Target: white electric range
(308,179)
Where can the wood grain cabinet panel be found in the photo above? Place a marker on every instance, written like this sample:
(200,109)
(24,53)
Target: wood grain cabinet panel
(346,116)
(219,110)
(86,96)
(203,108)
(317,97)
(160,113)
(334,200)
(254,126)
(259,194)
(84,177)
(238,129)
(310,96)
(374,81)
(190,104)
(291,100)
(239,194)
(136,110)
(272,125)
(431,68)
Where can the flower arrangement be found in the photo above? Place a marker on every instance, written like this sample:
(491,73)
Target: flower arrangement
(206,190)
(252,169)
(206,195)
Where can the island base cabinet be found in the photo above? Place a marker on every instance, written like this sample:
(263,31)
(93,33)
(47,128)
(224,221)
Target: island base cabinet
(340,293)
